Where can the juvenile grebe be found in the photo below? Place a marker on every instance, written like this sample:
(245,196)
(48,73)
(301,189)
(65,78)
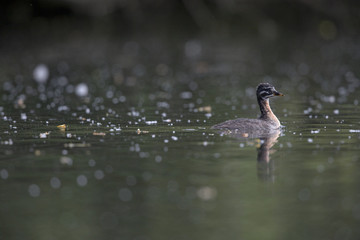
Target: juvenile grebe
(265,124)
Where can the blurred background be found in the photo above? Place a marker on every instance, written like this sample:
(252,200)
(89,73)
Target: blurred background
(270,19)
(217,34)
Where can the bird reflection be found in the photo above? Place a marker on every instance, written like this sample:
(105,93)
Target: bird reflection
(264,143)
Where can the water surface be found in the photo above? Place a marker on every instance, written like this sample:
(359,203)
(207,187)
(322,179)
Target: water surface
(138,159)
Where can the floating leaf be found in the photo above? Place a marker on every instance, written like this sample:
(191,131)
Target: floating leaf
(62,127)
(99,133)
(205,109)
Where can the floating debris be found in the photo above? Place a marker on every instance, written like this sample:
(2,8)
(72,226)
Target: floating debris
(7,142)
(315,131)
(354,130)
(66,161)
(44,135)
(205,109)
(37,152)
(62,127)
(77,145)
(20,103)
(99,133)
(189,130)
(139,131)
(151,122)
(245,135)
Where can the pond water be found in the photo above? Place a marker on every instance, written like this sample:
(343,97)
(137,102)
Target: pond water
(138,159)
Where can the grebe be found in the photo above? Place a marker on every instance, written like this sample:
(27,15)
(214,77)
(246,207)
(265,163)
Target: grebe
(265,124)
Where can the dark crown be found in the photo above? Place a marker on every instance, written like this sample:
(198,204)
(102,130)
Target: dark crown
(265,90)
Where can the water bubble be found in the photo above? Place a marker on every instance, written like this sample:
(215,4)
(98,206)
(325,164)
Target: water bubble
(139,70)
(356,211)
(147,176)
(268,30)
(82,90)
(109,169)
(158,158)
(193,48)
(304,194)
(320,168)
(70,88)
(62,81)
(82,180)
(327,30)
(34,190)
(122,99)
(125,195)
(162,69)
(206,193)
(92,163)
(109,220)
(55,182)
(23,116)
(151,122)
(63,108)
(4,174)
(303,69)
(131,180)
(41,73)
(99,174)
(186,95)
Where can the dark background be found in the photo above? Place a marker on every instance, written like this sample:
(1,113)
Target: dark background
(226,17)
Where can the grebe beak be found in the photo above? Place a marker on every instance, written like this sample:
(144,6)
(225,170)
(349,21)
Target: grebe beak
(276,93)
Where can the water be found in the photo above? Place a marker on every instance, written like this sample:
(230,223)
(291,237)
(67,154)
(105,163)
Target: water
(137,158)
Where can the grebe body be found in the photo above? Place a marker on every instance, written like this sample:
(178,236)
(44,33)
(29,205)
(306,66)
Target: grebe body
(265,124)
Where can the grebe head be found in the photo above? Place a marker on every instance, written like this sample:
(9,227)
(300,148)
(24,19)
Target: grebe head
(266,90)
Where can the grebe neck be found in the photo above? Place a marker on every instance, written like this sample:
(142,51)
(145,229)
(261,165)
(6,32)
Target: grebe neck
(266,112)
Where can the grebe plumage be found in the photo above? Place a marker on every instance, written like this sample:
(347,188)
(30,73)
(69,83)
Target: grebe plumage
(266,123)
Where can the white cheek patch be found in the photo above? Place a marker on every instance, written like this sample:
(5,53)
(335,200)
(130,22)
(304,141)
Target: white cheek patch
(265,94)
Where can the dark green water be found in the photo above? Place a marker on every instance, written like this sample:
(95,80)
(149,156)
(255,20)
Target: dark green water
(157,171)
